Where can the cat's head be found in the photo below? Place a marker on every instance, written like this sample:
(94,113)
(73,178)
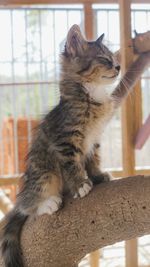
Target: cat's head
(87,62)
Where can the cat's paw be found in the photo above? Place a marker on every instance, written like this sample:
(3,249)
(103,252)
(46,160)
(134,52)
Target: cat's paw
(107,176)
(84,189)
(49,206)
(101,177)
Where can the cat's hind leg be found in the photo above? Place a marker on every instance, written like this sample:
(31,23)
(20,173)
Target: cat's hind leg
(51,194)
(41,196)
(50,205)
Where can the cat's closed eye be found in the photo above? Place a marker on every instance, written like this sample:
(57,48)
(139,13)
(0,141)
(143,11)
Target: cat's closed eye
(105,61)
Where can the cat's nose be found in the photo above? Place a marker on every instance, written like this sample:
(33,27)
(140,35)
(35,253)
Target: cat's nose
(117,68)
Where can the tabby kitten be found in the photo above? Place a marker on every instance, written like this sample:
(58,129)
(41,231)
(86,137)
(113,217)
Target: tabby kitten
(64,156)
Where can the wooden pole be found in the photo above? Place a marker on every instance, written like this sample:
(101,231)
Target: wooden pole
(88,21)
(94,259)
(12,3)
(128,115)
(88,27)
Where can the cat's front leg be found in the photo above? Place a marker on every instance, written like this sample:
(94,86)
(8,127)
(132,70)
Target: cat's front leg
(101,177)
(76,180)
(93,167)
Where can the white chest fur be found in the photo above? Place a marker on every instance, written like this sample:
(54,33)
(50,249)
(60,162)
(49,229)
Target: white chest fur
(95,129)
(96,92)
(99,92)
(93,136)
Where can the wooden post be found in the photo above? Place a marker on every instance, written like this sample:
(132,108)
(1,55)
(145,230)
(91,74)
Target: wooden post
(128,119)
(88,26)
(88,20)
(128,115)
(94,259)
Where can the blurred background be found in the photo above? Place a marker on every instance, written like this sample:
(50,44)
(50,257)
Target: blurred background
(32,37)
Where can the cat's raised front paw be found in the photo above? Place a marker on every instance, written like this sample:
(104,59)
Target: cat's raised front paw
(84,189)
(49,206)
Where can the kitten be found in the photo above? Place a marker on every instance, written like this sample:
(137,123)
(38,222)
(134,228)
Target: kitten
(65,154)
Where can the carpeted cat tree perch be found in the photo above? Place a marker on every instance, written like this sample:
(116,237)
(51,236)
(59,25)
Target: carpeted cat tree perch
(112,212)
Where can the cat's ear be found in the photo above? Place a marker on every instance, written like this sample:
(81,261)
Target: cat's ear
(75,43)
(100,39)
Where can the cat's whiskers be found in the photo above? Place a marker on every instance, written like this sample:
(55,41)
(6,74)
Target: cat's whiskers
(132,92)
(136,70)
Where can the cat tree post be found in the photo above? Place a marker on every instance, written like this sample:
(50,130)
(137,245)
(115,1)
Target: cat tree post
(112,212)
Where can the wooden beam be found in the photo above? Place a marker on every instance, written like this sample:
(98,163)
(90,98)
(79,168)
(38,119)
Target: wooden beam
(5,203)
(128,115)
(4,181)
(9,181)
(48,2)
(88,21)
(118,174)
(144,171)
(54,2)
(128,118)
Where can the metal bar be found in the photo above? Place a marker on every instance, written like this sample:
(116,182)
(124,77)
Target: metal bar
(27,83)
(27,78)
(117,9)
(40,8)
(107,12)
(67,19)
(55,56)
(41,58)
(14,98)
(70,9)
(43,82)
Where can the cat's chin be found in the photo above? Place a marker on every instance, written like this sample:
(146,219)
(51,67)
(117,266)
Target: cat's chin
(109,81)
(110,77)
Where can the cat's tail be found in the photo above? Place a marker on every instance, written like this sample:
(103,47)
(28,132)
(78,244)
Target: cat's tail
(10,245)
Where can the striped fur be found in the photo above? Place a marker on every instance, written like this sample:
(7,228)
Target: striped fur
(64,156)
